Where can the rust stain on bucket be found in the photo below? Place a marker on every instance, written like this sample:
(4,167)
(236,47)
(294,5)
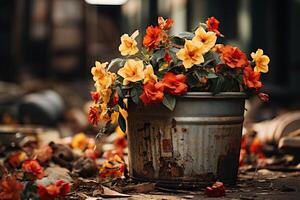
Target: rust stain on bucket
(196,144)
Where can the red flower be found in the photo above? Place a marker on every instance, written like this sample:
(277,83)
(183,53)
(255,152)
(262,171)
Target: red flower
(233,57)
(51,192)
(115,99)
(213,25)
(244,142)
(243,154)
(32,167)
(95,96)
(252,78)
(15,160)
(153,92)
(93,115)
(175,84)
(112,168)
(167,57)
(263,97)
(216,190)
(120,142)
(152,37)
(10,188)
(165,24)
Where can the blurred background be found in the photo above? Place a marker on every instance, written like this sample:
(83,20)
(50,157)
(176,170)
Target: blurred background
(47,48)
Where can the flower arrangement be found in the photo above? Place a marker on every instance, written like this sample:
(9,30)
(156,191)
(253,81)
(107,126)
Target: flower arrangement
(168,66)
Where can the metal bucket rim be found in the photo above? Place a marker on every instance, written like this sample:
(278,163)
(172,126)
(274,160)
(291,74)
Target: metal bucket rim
(210,95)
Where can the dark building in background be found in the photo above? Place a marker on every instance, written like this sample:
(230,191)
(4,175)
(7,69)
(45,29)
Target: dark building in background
(62,38)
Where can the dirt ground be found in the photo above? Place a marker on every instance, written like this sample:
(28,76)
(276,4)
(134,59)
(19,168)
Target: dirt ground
(262,184)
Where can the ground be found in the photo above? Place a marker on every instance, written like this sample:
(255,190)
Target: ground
(261,184)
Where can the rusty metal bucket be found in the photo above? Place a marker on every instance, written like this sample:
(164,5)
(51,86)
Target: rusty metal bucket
(196,144)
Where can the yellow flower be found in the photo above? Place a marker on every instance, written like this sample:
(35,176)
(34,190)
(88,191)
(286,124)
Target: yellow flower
(207,38)
(191,54)
(123,113)
(149,74)
(104,116)
(128,44)
(80,141)
(99,71)
(103,81)
(261,61)
(114,117)
(132,71)
(100,75)
(125,101)
(105,95)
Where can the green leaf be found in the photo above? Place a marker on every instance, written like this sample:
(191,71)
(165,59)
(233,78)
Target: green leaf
(211,75)
(163,66)
(122,122)
(120,92)
(212,58)
(135,94)
(158,55)
(169,101)
(116,108)
(115,64)
(186,35)
(199,74)
(218,84)
(192,80)
(178,40)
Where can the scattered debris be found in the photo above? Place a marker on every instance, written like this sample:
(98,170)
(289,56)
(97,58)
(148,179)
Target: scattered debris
(54,174)
(139,188)
(285,188)
(62,155)
(216,190)
(85,167)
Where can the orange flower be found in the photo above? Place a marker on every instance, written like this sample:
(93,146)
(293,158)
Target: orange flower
(243,154)
(256,146)
(175,84)
(233,57)
(112,168)
(94,115)
(153,37)
(10,188)
(95,96)
(252,78)
(165,24)
(120,142)
(153,92)
(213,25)
(51,192)
(32,167)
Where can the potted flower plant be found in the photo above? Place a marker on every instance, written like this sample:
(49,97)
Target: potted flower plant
(181,100)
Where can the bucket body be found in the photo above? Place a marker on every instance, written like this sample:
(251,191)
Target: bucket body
(194,145)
